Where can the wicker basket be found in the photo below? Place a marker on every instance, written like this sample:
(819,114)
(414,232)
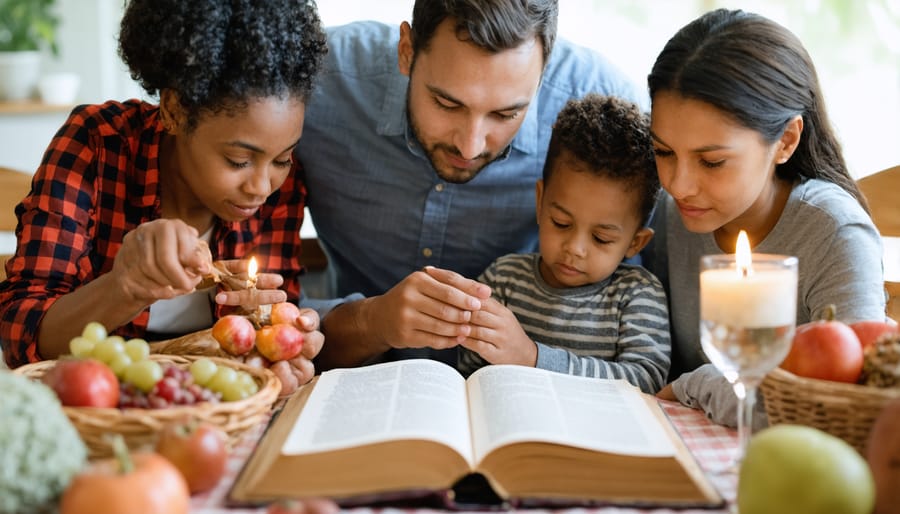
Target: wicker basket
(140,427)
(195,343)
(843,410)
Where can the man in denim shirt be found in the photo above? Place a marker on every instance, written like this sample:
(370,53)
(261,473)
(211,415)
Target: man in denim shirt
(424,151)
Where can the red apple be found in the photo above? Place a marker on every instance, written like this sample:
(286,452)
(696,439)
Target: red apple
(198,449)
(870,331)
(83,383)
(235,334)
(279,342)
(285,312)
(825,349)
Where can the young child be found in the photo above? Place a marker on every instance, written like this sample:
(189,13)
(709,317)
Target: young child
(576,307)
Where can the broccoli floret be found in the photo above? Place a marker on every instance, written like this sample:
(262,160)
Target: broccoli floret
(40,450)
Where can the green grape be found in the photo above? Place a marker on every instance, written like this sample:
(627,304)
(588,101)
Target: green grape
(81,346)
(203,370)
(120,339)
(137,349)
(94,331)
(223,378)
(233,392)
(107,349)
(144,374)
(247,383)
(119,364)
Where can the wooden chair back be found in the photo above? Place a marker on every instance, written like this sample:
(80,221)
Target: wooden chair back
(14,186)
(882,191)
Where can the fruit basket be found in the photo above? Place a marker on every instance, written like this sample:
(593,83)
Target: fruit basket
(139,427)
(195,343)
(843,410)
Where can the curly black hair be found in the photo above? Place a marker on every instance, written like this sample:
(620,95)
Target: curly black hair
(219,54)
(611,137)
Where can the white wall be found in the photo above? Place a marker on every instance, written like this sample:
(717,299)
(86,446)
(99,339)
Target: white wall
(87,43)
(859,69)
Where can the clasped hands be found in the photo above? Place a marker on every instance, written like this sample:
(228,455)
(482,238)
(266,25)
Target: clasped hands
(438,308)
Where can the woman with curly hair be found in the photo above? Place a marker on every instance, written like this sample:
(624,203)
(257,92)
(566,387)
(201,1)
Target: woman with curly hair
(575,307)
(127,192)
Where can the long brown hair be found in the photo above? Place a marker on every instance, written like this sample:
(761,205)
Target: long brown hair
(758,72)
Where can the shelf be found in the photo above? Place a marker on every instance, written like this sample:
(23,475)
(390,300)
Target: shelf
(32,107)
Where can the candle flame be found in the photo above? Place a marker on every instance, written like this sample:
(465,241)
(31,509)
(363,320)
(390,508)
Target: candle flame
(742,254)
(252,268)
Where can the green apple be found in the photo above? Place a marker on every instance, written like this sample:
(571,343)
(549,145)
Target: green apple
(803,470)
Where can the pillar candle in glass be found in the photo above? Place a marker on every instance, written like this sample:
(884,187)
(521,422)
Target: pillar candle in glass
(748,312)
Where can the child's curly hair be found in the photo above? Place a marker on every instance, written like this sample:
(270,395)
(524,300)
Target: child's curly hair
(611,137)
(219,54)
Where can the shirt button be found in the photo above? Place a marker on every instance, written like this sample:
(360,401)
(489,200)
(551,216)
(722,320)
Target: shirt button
(439,188)
(426,252)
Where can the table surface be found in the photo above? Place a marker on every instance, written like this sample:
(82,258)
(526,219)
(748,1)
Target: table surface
(712,445)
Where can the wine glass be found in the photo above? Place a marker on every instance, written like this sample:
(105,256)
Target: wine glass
(748,314)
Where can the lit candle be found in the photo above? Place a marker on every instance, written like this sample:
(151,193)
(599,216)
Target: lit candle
(252,269)
(259,314)
(747,296)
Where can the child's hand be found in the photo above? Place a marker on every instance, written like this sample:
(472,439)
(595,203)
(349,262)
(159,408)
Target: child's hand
(497,336)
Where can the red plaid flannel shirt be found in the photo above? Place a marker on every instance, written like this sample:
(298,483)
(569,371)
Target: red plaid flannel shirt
(98,179)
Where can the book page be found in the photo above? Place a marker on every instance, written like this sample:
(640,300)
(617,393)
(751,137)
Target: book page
(411,399)
(516,403)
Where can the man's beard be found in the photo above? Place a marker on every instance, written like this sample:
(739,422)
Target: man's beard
(451,175)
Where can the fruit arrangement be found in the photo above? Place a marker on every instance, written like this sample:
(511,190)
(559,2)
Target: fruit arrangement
(864,352)
(108,371)
(142,481)
(274,337)
(837,378)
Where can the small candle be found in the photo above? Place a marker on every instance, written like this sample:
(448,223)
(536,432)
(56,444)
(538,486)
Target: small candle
(252,269)
(258,314)
(748,295)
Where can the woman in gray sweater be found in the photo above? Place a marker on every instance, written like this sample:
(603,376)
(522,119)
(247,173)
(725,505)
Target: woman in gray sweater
(743,142)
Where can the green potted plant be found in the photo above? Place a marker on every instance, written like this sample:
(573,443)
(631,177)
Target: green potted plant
(27,30)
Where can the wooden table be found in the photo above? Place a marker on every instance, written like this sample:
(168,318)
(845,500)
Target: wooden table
(712,446)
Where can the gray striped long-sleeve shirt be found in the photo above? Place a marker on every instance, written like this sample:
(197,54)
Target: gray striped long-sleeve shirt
(617,328)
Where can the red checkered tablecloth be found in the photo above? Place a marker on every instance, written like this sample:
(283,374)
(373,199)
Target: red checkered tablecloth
(712,445)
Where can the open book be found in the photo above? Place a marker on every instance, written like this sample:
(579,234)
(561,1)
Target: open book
(416,427)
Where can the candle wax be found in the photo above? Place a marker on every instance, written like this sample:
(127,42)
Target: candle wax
(764,298)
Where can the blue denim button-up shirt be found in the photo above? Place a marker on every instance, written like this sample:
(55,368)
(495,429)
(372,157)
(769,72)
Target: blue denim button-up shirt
(379,208)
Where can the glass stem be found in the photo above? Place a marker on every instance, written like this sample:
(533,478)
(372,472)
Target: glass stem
(746,394)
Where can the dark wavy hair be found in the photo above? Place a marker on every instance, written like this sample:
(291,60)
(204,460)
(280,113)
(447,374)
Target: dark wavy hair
(611,137)
(219,54)
(494,25)
(759,73)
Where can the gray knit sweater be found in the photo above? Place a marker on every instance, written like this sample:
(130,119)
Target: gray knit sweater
(839,252)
